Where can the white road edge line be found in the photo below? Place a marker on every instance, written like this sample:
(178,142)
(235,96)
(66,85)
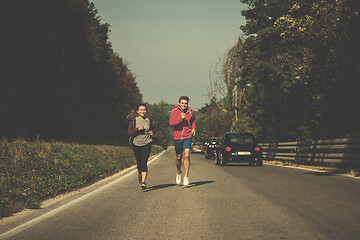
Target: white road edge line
(53,212)
(310,170)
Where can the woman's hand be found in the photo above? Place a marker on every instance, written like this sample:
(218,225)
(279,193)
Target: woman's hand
(140,128)
(151,132)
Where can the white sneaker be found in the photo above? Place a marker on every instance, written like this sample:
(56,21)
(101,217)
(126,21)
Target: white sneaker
(186,181)
(178,178)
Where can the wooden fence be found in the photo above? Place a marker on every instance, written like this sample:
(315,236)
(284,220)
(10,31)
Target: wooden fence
(337,151)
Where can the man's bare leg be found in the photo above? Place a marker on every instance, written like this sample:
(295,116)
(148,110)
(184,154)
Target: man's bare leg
(187,162)
(178,163)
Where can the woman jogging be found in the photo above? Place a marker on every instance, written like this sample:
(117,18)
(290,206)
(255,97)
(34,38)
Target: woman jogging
(141,130)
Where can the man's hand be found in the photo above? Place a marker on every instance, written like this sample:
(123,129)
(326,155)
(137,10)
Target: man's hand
(183,115)
(193,132)
(140,128)
(151,132)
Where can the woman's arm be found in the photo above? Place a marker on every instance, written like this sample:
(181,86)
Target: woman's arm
(131,129)
(152,128)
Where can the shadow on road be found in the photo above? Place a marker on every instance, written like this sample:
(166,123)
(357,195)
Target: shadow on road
(194,184)
(158,187)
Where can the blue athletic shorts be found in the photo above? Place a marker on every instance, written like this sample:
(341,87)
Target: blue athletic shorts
(182,144)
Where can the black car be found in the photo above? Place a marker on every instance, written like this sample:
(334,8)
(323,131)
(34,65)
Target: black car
(238,147)
(210,150)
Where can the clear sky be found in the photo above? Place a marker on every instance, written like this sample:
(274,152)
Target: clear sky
(171,45)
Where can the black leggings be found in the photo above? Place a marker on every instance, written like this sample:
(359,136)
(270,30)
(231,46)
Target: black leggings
(142,154)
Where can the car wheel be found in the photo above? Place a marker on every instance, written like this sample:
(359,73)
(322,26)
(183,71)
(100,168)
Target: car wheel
(252,162)
(259,162)
(206,156)
(222,160)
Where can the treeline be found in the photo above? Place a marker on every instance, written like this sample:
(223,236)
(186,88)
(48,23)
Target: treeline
(160,114)
(294,74)
(60,78)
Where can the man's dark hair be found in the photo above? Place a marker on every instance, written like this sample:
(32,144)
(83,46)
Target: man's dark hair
(184,98)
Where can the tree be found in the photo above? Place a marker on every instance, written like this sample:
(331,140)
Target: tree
(213,123)
(327,67)
(61,79)
(226,88)
(160,114)
(299,67)
(264,74)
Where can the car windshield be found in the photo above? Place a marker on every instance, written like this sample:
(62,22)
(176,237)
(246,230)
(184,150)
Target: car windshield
(240,138)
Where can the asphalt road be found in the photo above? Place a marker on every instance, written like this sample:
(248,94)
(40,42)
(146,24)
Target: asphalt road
(232,202)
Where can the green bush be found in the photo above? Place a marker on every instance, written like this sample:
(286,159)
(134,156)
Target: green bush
(31,172)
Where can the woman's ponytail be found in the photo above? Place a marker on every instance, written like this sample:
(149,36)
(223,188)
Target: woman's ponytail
(133,112)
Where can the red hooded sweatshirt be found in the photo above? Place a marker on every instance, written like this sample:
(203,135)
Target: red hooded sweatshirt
(182,127)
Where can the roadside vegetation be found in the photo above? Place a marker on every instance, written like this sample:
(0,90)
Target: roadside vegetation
(160,114)
(292,75)
(31,172)
(61,78)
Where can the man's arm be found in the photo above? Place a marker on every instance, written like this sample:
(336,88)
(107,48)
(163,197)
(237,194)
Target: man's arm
(193,125)
(175,117)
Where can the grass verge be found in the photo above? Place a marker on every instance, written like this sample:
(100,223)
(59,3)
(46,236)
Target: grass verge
(31,172)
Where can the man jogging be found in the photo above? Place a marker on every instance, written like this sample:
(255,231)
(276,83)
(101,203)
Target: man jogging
(182,118)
